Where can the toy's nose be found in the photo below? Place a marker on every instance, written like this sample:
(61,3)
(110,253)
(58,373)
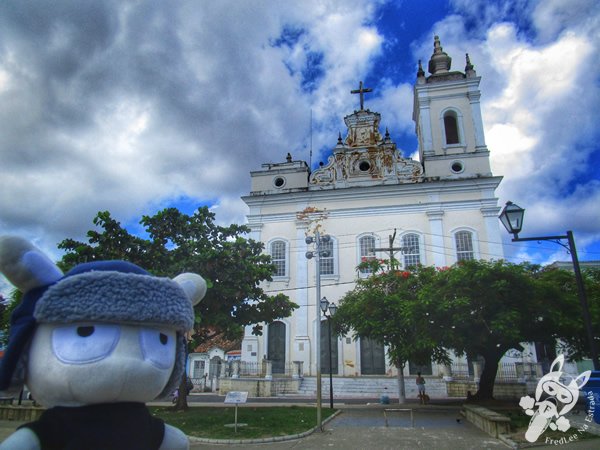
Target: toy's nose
(129,344)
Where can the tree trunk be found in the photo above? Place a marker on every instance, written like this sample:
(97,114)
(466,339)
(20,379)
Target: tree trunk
(401,386)
(181,404)
(488,377)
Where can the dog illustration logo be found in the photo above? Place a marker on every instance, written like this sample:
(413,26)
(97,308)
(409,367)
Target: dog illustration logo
(553,399)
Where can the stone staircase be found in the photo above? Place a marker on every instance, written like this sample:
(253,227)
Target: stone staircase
(351,387)
(369,387)
(283,386)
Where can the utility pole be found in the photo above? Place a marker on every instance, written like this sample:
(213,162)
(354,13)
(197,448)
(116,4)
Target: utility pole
(318,240)
(391,249)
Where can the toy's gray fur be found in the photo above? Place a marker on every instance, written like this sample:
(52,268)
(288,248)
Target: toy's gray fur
(116,297)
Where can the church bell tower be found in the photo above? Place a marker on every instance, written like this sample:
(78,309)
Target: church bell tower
(449,126)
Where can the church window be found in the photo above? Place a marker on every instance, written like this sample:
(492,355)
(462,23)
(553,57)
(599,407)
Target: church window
(279,182)
(367,251)
(451,128)
(464,246)
(364,166)
(278,258)
(457,167)
(198,371)
(327,258)
(411,250)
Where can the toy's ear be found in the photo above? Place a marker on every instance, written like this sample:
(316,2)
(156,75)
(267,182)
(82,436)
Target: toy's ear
(24,265)
(193,285)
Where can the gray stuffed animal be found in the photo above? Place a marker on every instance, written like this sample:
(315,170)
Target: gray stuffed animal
(93,346)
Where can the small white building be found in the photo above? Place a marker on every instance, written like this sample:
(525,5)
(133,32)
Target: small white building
(441,208)
(205,363)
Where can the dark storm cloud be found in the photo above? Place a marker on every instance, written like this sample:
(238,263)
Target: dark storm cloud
(126,106)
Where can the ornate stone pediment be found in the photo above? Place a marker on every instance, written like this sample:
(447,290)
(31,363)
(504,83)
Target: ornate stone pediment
(363,128)
(365,158)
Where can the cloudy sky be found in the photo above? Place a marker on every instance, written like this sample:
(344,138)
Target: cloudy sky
(135,106)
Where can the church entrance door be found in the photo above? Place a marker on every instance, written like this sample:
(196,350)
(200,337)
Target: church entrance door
(372,357)
(276,349)
(325,349)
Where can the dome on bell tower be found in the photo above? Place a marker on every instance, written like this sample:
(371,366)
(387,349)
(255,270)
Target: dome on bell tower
(440,61)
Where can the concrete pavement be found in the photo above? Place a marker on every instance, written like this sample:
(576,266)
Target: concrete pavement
(362,426)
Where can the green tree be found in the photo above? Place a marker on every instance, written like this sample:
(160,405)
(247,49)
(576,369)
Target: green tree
(565,313)
(232,265)
(386,307)
(477,308)
(6,309)
(495,306)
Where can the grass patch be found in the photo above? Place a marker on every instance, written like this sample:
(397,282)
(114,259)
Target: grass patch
(262,422)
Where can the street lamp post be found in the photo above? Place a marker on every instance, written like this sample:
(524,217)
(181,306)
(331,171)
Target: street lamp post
(318,240)
(512,219)
(325,306)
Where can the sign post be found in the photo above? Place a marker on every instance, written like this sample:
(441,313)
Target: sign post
(236,397)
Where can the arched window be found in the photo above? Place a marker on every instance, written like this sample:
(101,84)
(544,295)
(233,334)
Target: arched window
(411,250)
(278,258)
(464,246)
(451,128)
(327,258)
(366,248)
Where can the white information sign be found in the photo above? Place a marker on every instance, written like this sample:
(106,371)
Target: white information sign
(236,397)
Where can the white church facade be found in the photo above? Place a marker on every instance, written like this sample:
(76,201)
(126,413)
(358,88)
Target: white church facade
(440,209)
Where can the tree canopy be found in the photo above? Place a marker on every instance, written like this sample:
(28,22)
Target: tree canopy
(232,265)
(477,308)
(386,308)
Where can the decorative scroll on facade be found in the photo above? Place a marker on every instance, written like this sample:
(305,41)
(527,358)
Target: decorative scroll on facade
(365,158)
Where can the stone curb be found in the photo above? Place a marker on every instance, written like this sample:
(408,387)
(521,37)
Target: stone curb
(289,437)
(508,441)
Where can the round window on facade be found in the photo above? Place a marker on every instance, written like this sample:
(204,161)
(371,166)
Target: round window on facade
(364,166)
(279,182)
(457,167)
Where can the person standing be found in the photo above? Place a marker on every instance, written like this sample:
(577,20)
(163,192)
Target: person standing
(421,387)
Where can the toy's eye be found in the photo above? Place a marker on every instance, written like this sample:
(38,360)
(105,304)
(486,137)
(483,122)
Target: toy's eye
(85,331)
(158,347)
(82,344)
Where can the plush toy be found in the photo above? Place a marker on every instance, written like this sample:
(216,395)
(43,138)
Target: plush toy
(93,346)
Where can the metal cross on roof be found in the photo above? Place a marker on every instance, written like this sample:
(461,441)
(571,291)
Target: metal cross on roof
(361,91)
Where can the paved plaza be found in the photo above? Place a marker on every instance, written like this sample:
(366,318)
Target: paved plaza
(363,426)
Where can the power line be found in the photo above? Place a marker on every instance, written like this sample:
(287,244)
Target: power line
(435,249)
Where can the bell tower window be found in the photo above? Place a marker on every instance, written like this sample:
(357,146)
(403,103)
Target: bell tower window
(451,128)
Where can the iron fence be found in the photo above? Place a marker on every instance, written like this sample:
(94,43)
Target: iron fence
(251,369)
(460,371)
(507,371)
(257,369)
